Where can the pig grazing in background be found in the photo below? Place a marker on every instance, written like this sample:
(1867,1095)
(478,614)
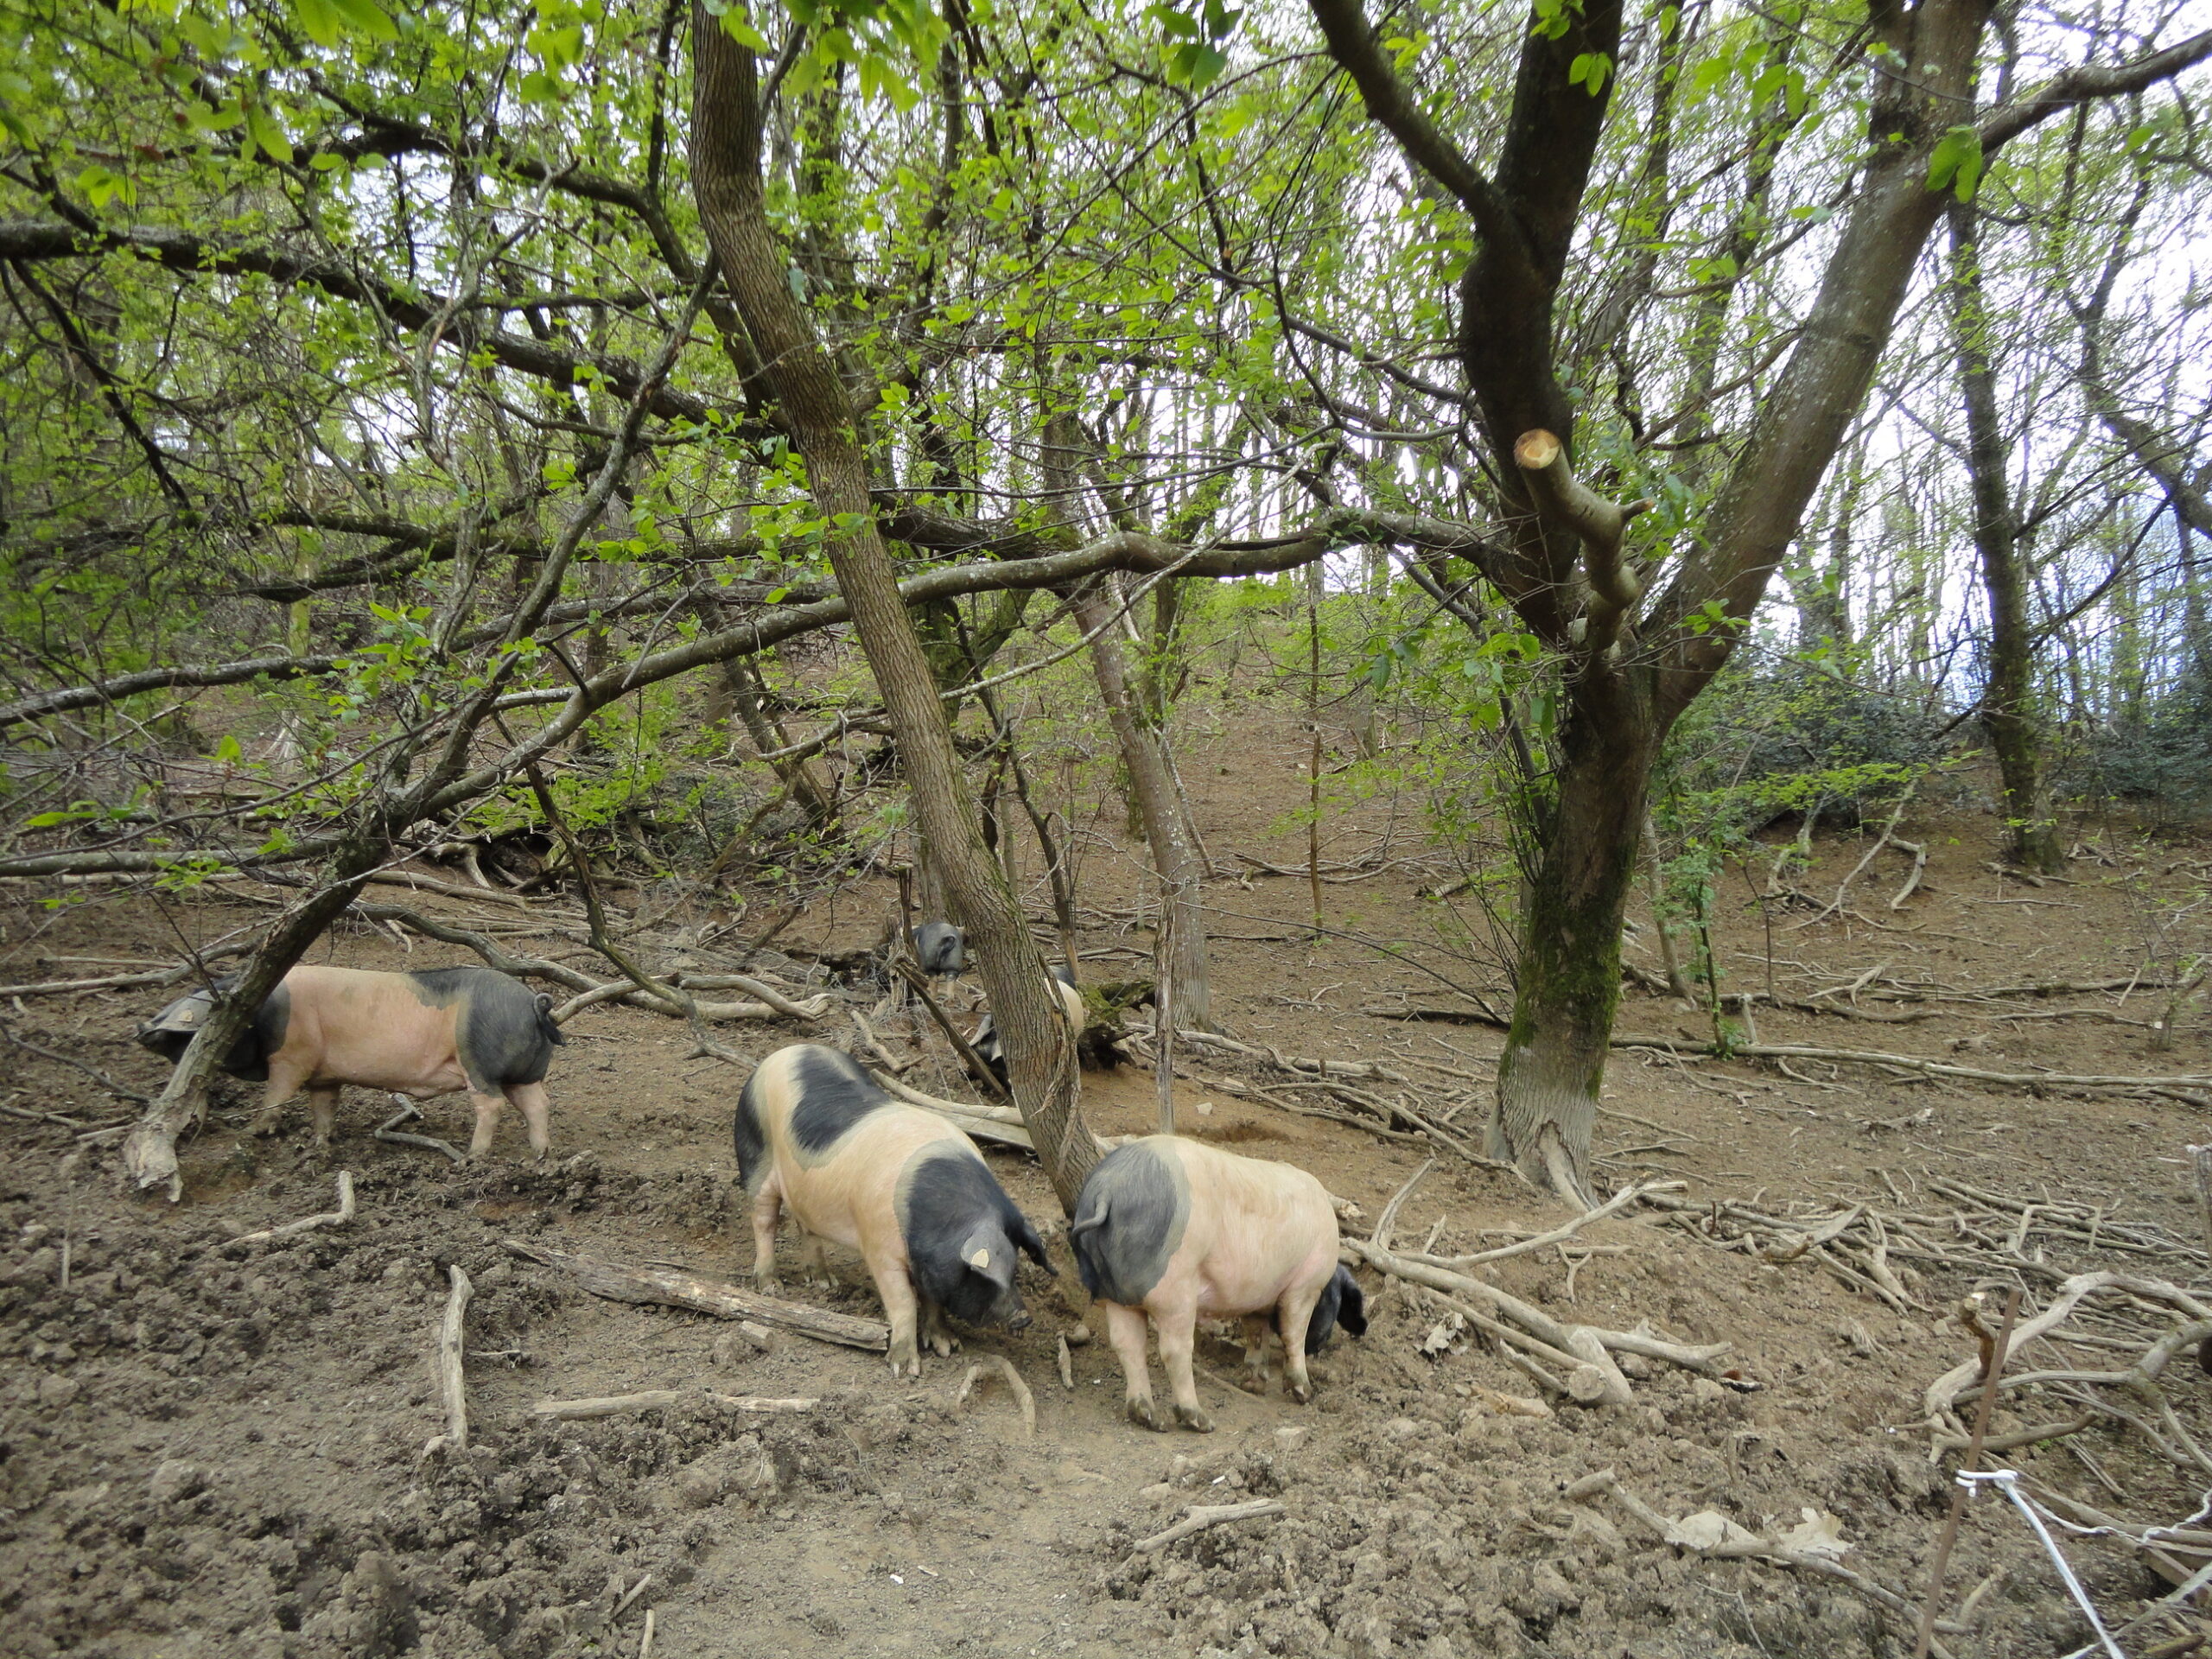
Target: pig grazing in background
(899,1185)
(417,1034)
(940,948)
(986,1043)
(1182,1230)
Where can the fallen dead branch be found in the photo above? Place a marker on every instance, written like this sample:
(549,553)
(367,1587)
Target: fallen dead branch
(1811,1547)
(622,1405)
(1624,1200)
(672,1287)
(451,1379)
(337,1217)
(1199,1517)
(999,1366)
(999,1123)
(153,977)
(2186,1086)
(389,1131)
(1573,1345)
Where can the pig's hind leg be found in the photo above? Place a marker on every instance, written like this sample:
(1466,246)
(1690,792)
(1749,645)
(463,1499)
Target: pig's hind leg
(536,1108)
(1125,1330)
(487,1104)
(767,1209)
(1178,1338)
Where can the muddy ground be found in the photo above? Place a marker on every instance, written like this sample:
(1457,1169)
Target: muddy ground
(211,1448)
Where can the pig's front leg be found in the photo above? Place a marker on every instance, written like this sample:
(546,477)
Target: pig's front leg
(767,1209)
(937,1335)
(1255,1380)
(1294,1315)
(1178,1335)
(903,1309)
(284,1081)
(814,1262)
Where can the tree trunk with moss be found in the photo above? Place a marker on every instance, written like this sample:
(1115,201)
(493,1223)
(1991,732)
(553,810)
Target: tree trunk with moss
(2008,700)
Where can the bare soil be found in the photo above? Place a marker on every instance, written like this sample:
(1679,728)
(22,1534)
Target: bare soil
(217,1449)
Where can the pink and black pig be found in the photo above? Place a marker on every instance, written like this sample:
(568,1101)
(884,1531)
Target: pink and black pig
(816,1136)
(416,1034)
(1184,1231)
(985,1041)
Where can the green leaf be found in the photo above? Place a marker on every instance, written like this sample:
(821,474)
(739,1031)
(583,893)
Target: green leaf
(321,20)
(1590,69)
(262,130)
(1956,162)
(366,18)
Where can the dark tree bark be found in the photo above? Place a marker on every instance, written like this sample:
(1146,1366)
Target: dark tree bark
(2008,700)
(726,152)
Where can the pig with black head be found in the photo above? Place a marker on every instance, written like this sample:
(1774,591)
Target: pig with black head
(1181,1231)
(416,1034)
(941,948)
(901,1184)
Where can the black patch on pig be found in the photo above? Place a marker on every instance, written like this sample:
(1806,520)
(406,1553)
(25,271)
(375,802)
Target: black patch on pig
(949,1206)
(1129,1221)
(752,1142)
(505,1033)
(830,1094)
(249,1054)
(1342,1302)
(941,948)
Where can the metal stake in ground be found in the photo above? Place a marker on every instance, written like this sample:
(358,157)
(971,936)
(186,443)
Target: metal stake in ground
(1993,1367)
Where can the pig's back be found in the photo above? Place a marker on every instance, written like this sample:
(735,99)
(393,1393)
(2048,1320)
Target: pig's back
(370,1029)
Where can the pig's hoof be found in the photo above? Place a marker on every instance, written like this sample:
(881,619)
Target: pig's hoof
(1301,1392)
(1194,1419)
(945,1347)
(1142,1414)
(906,1365)
(266,1125)
(767,1284)
(1253,1381)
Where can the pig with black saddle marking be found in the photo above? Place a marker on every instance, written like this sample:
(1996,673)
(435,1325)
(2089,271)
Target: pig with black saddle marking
(1182,1232)
(901,1184)
(416,1034)
(986,1043)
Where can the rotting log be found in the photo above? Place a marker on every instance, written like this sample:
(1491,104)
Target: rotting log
(670,1287)
(618,1405)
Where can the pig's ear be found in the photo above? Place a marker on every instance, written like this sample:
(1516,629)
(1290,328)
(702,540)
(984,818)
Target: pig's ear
(984,1251)
(1025,1235)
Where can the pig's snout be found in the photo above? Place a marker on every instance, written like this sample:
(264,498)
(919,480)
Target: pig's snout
(1017,1318)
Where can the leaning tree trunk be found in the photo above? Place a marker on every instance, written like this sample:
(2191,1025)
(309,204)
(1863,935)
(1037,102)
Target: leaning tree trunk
(816,411)
(2008,702)
(1568,980)
(1144,751)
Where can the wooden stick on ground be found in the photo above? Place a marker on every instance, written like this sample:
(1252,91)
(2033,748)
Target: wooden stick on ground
(389,1131)
(670,1287)
(337,1217)
(1993,1358)
(618,1405)
(451,1377)
(998,1365)
(1202,1515)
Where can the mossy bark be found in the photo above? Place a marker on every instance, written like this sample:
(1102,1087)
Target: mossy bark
(1568,980)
